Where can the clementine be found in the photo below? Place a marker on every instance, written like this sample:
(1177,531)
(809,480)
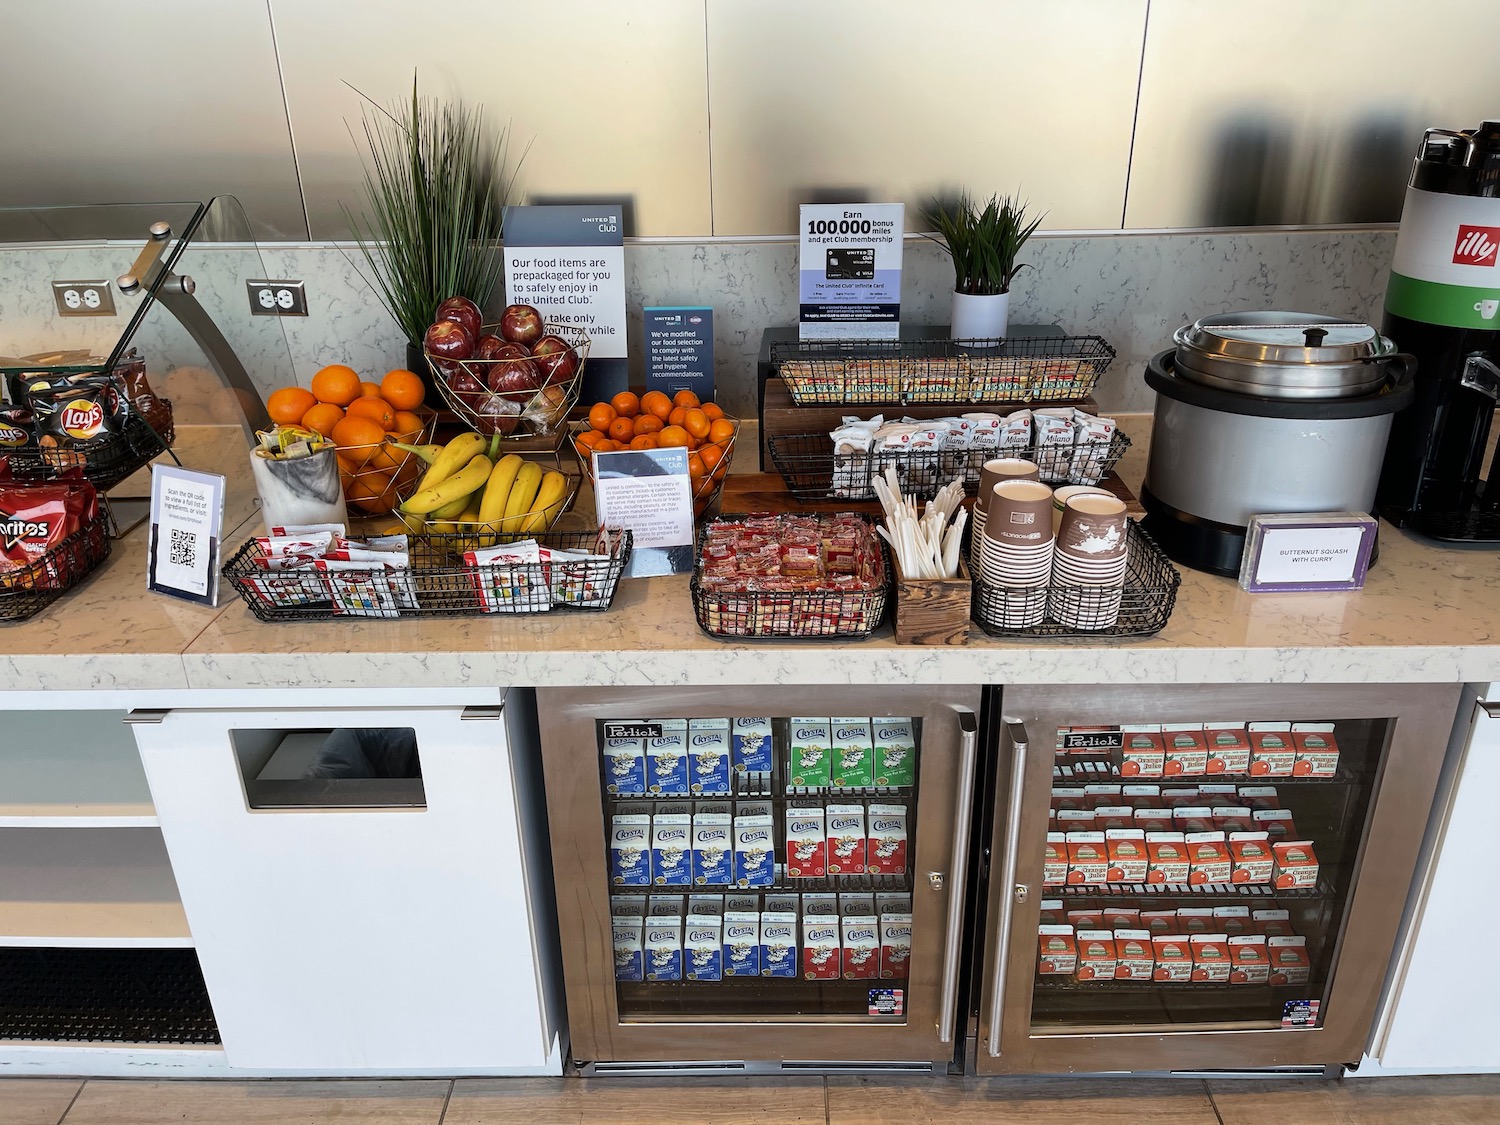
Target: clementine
(685,399)
(287,405)
(323,416)
(626,405)
(654,402)
(601,414)
(336,384)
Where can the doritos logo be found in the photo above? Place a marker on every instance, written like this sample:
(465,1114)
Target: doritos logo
(82,419)
(1476,246)
(13,532)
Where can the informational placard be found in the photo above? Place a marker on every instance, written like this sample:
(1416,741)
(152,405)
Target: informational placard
(187,520)
(569,263)
(649,492)
(850,271)
(1308,552)
(680,351)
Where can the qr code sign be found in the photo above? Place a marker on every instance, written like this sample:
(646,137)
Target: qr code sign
(183,549)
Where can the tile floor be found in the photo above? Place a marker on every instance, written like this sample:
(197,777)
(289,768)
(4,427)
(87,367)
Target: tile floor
(751,1101)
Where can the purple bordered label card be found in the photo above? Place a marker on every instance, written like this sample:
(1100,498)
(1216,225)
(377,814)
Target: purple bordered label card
(1307,552)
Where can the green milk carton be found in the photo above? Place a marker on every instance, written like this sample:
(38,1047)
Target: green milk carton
(895,752)
(853,760)
(809,749)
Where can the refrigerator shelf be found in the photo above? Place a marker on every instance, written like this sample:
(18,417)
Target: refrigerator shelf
(1221,892)
(783,885)
(1110,773)
(1051,983)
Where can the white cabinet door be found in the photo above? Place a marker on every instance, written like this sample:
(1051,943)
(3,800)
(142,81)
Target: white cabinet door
(1446,1014)
(357,939)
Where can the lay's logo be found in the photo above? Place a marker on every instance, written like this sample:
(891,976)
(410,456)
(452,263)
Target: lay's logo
(1476,246)
(11,436)
(82,419)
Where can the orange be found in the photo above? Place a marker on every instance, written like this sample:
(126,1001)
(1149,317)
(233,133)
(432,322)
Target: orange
(374,492)
(685,399)
(368,389)
(722,429)
(678,416)
(322,416)
(588,439)
(608,445)
(287,405)
(336,384)
(376,408)
(648,424)
(402,389)
(622,429)
(711,456)
(626,404)
(355,431)
(674,437)
(654,402)
(408,425)
(696,423)
(601,414)
(696,468)
(643,441)
(713,412)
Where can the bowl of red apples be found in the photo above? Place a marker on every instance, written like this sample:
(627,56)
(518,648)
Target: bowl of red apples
(519,375)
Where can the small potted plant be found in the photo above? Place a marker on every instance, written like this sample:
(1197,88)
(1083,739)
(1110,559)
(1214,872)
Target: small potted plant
(983,243)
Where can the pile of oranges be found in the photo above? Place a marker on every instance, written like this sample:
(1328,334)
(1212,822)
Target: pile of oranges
(654,421)
(364,420)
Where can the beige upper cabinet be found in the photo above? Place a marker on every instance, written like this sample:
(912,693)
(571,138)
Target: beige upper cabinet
(1264,112)
(892,101)
(611,96)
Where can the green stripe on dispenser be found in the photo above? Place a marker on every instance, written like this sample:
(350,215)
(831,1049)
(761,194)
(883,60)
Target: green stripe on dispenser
(1455,306)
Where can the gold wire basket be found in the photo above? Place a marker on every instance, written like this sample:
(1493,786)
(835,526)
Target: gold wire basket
(464,385)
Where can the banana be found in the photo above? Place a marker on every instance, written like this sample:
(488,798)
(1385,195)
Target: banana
(497,491)
(548,497)
(451,511)
(428,453)
(458,486)
(456,455)
(522,493)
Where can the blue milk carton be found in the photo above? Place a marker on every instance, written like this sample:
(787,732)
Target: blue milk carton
(629,950)
(751,745)
(754,852)
(672,851)
(708,757)
(666,759)
(630,851)
(713,850)
(663,949)
(778,944)
(625,766)
(703,947)
(741,943)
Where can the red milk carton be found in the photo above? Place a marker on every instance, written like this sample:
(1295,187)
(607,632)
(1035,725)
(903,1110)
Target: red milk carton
(820,948)
(861,947)
(806,844)
(1228,747)
(886,853)
(846,839)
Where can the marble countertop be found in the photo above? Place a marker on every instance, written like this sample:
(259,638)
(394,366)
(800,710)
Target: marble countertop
(1425,615)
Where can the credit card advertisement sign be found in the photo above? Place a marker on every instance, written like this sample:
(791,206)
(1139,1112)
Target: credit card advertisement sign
(850,271)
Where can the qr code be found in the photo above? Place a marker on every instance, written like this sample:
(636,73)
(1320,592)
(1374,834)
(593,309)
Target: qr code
(183,550)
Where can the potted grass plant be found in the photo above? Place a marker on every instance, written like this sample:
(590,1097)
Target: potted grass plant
(435,192)
(983,242)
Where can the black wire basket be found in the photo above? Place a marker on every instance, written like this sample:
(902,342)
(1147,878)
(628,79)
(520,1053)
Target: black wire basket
(29,590)
(134,446)
(1139,608)
(438,584)
(815,474)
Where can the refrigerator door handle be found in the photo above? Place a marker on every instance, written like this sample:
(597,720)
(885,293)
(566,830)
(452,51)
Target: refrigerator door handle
(1016,731)
(957,872)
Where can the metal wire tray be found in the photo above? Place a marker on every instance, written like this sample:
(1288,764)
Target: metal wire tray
(26,592)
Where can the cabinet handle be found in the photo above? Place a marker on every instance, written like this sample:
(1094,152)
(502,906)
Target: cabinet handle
(1490,707)
(143,716)
(1019,741)
(957,872)
(483,711)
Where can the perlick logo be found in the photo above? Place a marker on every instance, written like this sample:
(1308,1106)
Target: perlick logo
(1476,246)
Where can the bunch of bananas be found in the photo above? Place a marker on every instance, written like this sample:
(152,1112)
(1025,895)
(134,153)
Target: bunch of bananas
(463,490)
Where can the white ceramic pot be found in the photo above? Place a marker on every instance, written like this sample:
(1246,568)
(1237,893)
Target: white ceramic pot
(980,317)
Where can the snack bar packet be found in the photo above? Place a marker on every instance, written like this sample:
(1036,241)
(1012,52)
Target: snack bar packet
(1092,438)
(580,578)
(509,577)
(960,432)
(367,590)
(311,545)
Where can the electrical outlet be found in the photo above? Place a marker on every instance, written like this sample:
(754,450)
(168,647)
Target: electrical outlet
(83,298)
(277,298)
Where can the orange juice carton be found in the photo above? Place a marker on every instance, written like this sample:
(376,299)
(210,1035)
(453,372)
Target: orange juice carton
(1069,797)
(852,762)
(1087,918)
(894,902)
(1051,820)
(1210,957)
(857,904)
(820,904)
(778,944)
(1152,820)
(1271,751)
(1276,823)
(703,947)
(782,903)
(1175,798)
(705,904)
(627,906)
(806,844)
(664,906)
(1193,818)
(1228,747)
(630,851)
(1135,959)
(1127,855)
(713,850)
(625,765)
(820,949)
(1142,753)
(671,850)
(1289,962)
(809,748)
(754,852)
(1250,854)
(1249,959)
(1141,796)
(1233,818)
(1296,865)
(1056,951)
(1233,920)
(1051,912)
(1096,955)
(1317,750)
(1122,917)
(1055,860)
(1113,816)
(1159,922)
(1186,752)
(1260,796)
(708,756)
(1195,920)
(663,942)
(1166,858)
(1098,795)
(1216,793)
(1208,858)
(1076,820)
(886,851)
(666,759)
(1272,923)
(846,839)
(861,947)
(895,752)
(741,902)
(750,745)
(1173,956)
(741,943)
(895,945)
(1088,859)
(628,931)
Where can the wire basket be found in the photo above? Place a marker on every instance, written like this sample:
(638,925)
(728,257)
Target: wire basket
(436,585)
(130,449)
(510,413)
(747,614)
(1138,609)
(896,372)
(26,592)
(815,474)
(706,486)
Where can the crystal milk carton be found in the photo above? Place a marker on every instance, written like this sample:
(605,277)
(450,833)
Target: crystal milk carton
(663,949)
(629,950)
(625,766)
(708,756)
(861,947)
(778,944)
(741,943)
(895,945)
(627,906)
(784,903)
(703,947)
(820,949)
(706,904)
(713,850)
(672,851)
(809,749)
(857,903)
(630,851)
(886,853)
(892,902)
(895,751)
(806,844)
(666,759)
(820,904)
(750,745)
(852,764)
(754,852)
(846,839)
(741,903)
(664,906)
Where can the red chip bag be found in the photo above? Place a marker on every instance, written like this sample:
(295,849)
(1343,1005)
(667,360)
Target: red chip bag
(34,518)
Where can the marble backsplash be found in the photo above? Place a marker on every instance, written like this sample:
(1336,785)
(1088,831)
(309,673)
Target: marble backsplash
(1131,289)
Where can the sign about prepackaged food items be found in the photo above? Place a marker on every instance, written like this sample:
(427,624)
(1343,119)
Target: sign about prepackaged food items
(569,263)
(649,492)
(850,271)
(680,351)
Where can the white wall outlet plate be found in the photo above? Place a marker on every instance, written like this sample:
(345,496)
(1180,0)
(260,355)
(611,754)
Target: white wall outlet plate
(83,298)
(277,298)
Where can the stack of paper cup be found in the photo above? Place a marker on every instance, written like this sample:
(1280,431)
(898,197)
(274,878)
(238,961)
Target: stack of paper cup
(1015,555)
(1061,496)
(991,473)
(1088,570)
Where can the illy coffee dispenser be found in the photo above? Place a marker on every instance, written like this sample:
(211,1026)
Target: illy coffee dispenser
(1443,306)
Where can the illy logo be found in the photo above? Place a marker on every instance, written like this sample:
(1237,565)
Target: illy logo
(1476,246)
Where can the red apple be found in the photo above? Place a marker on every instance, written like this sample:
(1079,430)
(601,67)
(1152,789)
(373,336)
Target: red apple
(463,311)
(496,415)
(556,359)
(521,324)
(514,377)
(467,386)
(446,342)
(489,347)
